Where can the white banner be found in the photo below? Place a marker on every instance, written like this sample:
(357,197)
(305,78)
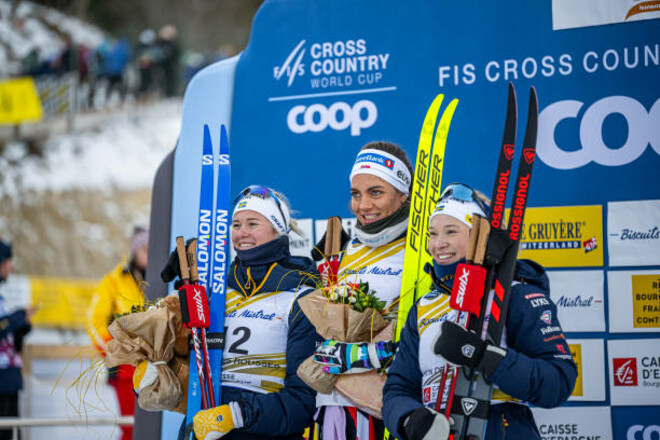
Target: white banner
(634,301)
(589,355)
(579,299)
(567,14)
(593,423)
(302,246)
(633,233)
(347,223)
(634,367)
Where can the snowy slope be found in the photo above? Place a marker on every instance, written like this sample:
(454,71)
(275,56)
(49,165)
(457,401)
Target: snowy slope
(37,27)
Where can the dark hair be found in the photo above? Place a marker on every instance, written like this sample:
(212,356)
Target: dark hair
(395,151)
(5,251)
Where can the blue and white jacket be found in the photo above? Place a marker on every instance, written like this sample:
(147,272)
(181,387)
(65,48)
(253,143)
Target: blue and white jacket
(537,369)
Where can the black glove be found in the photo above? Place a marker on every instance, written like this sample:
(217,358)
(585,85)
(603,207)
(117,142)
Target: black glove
(462,347)
(172,268)
(426,424)
(317,251)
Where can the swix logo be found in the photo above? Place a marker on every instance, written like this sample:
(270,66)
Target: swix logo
(508,150)
(462,287)
(292,66)
(561,348)
(642,130)
(500,196)
(469,405)
(199,304)
(528,155)
(339,116)
(625,372)
(646,431)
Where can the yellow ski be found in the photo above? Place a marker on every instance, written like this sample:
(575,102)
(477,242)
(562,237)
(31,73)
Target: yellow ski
(425,194)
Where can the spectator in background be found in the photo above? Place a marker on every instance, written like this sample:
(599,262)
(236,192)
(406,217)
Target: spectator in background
(113,57)
(169,61)
(13,327)
(119,290)
(147,57)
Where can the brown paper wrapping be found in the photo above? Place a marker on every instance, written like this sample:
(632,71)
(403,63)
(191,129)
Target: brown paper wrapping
(340,322)
(156,335)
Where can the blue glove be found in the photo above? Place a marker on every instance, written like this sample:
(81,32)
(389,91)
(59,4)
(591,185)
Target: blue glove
(350,358)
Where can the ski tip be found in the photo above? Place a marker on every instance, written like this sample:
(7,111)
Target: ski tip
(533,98)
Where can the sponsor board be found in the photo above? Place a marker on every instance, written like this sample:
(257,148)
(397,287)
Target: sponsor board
(321,225)
(593,119)
(302,245)
(640,423)
(634,298)
(589,356)
(566,236)
(585,423)
(335,64)
(579,297)
(634,371)
(633,233)
(569,14)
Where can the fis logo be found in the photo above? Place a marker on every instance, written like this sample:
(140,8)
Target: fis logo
(625,372)
(292,66)
(546,317)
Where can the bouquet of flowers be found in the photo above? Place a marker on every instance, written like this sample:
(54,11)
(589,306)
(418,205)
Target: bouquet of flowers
(348,312)
(155,334)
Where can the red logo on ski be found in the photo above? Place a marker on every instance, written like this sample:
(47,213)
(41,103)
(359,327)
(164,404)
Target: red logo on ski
(508,151)
(529,154)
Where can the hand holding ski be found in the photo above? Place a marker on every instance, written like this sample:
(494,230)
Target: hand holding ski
(469,410)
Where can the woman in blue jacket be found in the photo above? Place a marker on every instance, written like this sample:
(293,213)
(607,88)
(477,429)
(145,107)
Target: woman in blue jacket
(267,335)
(533,365)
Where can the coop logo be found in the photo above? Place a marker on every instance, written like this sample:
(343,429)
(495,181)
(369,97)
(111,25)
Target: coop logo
(339,116)
(625,372)
(641,432)
(641,123)
(340,63)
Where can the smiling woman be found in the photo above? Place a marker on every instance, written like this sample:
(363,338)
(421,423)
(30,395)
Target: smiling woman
(266,335)
(380,188)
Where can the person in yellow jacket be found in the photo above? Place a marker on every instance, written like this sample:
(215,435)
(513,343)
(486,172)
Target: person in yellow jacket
(120,289)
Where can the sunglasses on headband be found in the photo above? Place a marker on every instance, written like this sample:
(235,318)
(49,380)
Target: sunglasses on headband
(463,193)
(261,191)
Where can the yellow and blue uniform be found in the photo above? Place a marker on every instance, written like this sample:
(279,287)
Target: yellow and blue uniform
(267,338)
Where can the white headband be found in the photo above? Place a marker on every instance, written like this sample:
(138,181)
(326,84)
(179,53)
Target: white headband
(461,211)
(384,165)
(268,207)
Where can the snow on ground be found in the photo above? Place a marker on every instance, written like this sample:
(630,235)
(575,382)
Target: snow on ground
(122,151)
